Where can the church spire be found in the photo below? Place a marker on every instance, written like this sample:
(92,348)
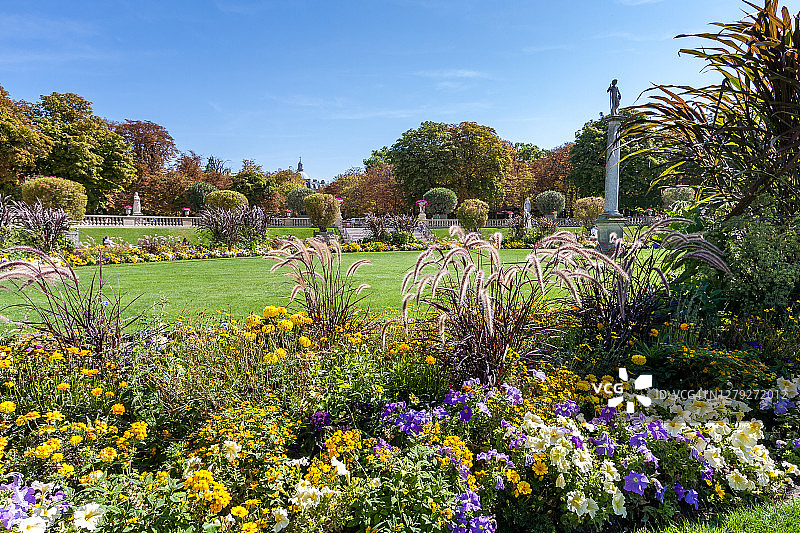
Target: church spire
(300,165)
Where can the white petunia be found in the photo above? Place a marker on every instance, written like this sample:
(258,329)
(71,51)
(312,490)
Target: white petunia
(577,502)
(560,481)
(618,504)
(281,517)
(738,482)
(32,524)
(231,450)
(341,468)
(88,516)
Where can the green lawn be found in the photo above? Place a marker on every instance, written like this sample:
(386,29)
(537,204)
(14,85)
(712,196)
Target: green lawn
(775,518)
(240,285)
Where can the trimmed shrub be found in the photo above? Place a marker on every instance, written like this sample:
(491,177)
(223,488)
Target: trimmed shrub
(295,198)
(588,209)
(677,197)
(226,199)
(322,210)
(56,193)
(549,202)
(472,214)
(441,201)
(196,194)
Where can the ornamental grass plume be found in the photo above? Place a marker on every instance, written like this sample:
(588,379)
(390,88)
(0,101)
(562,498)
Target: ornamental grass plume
(331,296)
(487,310)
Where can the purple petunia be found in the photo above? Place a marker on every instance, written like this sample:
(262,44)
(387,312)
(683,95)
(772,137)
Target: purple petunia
(635,482)
(638,439)
(567,409)
(605,445)
(482,524)
(766,401)
(658,430)
(783,405)
(392,407)
(796,443)
(466,413)
(319,420)
(513,394)
(660,490)
(455,398)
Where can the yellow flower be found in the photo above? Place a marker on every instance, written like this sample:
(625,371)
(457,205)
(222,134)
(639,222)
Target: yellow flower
(107,454)
(539,468)
(123,384)
(97,391)
(75,440)
(249,527)
(118,409)
(524,487)
(239,511)
(281,352)
(654,332)
(285,325)
(270,311)
(8,407)
(109,394)
(54,416)
(57,457)
(638,359)
(63,386)
(431,360)
(684,326)
(56,356)
(304,341)
(66,470)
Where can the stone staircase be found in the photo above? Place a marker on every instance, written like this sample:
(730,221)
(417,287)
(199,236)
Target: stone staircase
(354,234)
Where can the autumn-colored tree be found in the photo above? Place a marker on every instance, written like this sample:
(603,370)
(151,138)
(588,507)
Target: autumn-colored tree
(84,148)
(217,174)
(21,143)
(162,193)
(190,165)
(151,144)
(383,192)
(526,180)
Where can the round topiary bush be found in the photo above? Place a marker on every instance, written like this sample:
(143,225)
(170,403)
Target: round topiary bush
(677,197)
(472,214)
(226,199)
(196,193)
(549,202)
(322,210)
(441,201)
(56,193)
(295,199)
(588,209)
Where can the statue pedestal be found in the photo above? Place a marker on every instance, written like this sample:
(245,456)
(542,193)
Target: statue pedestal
(608,224)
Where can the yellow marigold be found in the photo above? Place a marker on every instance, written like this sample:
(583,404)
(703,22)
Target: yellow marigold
(54,416)
(43,451)
(57,457)
(66,470)
(109,394)
(249,527)
(117,409)
(431,360)
(524,487)
(8,407)
(539,468)
(638,359)
(684,326)
(5,363)
(239,511)
(252,321)
(63,386)
(56,356)
(304,341)
(75,440)
(97,392)
(280,352)
(270,311)
(107,454)
(285,325)
(123,384)
(654,332)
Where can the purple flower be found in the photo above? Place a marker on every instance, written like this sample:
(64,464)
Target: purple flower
(608,414)
(466,413)
(513,394)
(754,344)
(658,431)
(529,459)
(483,408)
(708,474)
(482,524)
(538,374)
(455,398)
(635,482)
(439,412)
(783,405)
(499,485)
(392,407)
(470,501)
(796,443)
(319,420)
(766,401)
(567,409)
(638,439)
(690,497)
(577,442)
(679,490)
(660,490)
(605,445)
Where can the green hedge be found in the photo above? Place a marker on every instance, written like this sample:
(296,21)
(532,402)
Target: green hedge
(56,193)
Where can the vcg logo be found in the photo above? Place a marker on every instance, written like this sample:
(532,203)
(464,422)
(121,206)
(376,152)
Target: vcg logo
(645,381)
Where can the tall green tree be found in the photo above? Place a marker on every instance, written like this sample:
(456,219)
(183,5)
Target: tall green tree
(637,170)
(377,158)
(468,158)
(84,148)
(21,143)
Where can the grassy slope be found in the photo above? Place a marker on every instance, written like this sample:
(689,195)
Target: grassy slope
(241,285)
(775,518)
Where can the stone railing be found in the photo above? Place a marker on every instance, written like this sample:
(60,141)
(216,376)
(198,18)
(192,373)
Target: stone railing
(118,221)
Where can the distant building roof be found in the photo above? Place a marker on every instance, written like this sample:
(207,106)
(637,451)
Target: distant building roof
(300,171)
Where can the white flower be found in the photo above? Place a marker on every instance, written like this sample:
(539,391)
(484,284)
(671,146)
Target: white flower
(88,516)
(591,507)
(577,502)
(714,457)
(787,388)
(32,524)
(281,517)
(44,488)
(618,504)
(609,471)
(791,468)
(192,464)
(303,461)
(738,482)
(307,495)
(375,482)
(231,450)
(560,481)
(583,460)
(341,468)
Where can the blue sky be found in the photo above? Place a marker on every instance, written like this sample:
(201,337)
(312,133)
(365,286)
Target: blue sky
(332,80)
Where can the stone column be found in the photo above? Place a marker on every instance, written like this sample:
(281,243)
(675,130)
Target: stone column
(611,221)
